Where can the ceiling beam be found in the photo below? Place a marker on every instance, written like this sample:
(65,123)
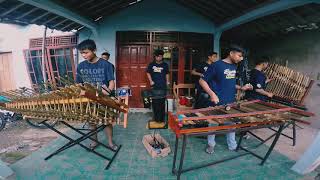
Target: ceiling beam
(12,9)
(99,4)
(113,5)
(54,8)
(297,16)
(39,17)
(59,23)
(265,10)
(203,10)
(27,13)
(50,20)
(208,5)
(67,26)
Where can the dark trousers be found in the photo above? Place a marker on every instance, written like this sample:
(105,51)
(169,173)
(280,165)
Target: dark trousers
(159,109)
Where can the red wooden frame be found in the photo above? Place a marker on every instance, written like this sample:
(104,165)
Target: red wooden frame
(174,119)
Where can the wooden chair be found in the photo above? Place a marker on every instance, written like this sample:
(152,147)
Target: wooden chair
(177,89)
(124,118)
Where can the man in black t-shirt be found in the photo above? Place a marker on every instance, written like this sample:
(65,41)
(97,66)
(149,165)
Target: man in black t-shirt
(259,81)
(158,76)
(198,72)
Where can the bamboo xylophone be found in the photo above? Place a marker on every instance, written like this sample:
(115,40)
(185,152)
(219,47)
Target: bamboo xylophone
(243,114)
(75,103)
(287,84)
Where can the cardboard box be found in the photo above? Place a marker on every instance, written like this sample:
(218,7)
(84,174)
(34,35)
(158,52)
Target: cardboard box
(147,139)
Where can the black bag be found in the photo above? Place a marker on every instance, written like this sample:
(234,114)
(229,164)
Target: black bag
(146,98)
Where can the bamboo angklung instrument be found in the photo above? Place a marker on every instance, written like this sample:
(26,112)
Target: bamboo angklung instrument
(287,84)
(73,103)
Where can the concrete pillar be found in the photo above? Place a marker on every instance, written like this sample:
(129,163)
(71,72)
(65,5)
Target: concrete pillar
(216,43)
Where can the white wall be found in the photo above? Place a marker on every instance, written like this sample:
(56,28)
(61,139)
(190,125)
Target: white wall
(15,38)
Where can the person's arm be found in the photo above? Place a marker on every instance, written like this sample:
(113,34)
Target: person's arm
(149,71)
(194,72)
(260,85)
(268,80)
(245,87)
(203,82)
(213,97)
(167,74)
(265,93)
(79,75)
(111,85)
(109,78)
(150,79)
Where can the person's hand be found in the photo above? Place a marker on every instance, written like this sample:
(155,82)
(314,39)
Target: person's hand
(151,83)
(201,75)
(269,80)
(247,87)
(105,92)
(270,95)
(214,98)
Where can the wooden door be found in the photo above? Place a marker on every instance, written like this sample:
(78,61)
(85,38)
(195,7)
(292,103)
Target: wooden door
(6,72)
(132,61)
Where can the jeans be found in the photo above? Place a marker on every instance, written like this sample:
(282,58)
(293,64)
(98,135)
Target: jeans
(231,139)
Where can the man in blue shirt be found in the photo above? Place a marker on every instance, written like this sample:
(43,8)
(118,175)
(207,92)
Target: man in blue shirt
(259,81)
(158,76)
(219,82)
(106,56)
(198,71)
(97,72)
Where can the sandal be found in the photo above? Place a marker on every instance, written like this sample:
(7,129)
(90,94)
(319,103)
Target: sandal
(93,146)
(114,147)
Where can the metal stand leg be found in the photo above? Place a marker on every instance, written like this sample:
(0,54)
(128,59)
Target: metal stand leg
(175,156)
(273,144)
(184,144)
(78,131)
(293,133)
(78,141)
(267,139)
(240,140)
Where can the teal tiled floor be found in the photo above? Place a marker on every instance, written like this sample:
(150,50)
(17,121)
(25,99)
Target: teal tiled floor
(133,161)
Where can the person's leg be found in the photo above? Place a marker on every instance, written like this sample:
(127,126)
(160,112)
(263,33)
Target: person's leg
(211,144)
(231,141)
(231,138)
(155,109)
(158,109)
(93,144)
(162,110)
(109,134)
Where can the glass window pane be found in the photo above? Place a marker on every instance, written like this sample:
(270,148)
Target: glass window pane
(29,65)
(27,53)
(33,53)
(33,79)
(69,65)
(37,69)
(53,63)
(67,51)
(70,76)
(39,53)
(51,51)
(59,52)
(61,66)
